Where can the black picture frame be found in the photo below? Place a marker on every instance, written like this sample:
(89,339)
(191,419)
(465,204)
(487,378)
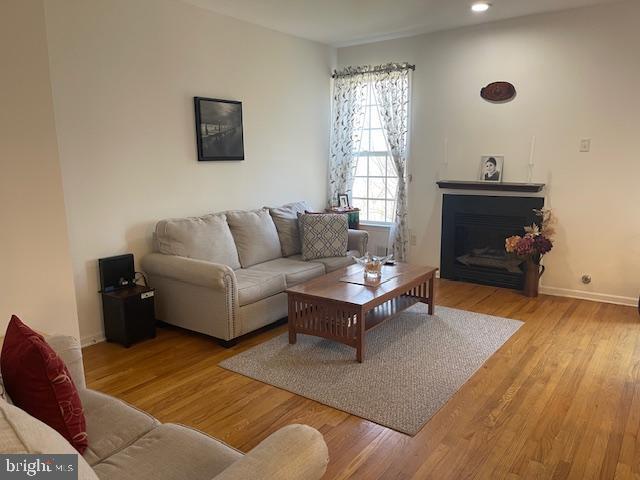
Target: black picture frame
(219,129)
(343,200)
(495,174)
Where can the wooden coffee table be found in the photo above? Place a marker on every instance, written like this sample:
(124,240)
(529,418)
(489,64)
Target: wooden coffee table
(329,308)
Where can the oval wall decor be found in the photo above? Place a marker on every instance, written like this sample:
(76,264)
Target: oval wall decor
(498,92)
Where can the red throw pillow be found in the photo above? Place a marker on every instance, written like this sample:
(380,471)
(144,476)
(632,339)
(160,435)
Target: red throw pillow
(37,380)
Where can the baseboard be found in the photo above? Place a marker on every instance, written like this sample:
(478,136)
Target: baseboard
(593,296)
(558,292)
(582,295)
(92,339)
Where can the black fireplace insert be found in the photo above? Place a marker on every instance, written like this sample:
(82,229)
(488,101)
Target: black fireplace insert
(474,228)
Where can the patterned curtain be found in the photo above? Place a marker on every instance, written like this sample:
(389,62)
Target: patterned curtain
(392,93)
(349,92)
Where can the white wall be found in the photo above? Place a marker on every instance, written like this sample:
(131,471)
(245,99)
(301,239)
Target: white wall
(36,281)
(577,75)
(124,74)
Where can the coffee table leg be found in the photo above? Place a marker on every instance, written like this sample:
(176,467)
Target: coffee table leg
(431,294)
(292,334)
(360,339)
(290,321)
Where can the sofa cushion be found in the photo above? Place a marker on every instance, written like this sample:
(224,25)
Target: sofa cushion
(286,221)
(294,270)
(69,350)
(255,235)
(38,382)
(333,263)
(111,425)
(169,452)
(323,235)
(203,238)
(22,433)
(10,442)
(254,285)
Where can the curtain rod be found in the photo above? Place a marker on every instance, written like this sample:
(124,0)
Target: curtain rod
(392,67)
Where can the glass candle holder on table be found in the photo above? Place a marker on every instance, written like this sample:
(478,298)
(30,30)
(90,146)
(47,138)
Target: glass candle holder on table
(372,265)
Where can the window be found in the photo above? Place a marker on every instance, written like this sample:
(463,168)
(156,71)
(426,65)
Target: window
(375,181)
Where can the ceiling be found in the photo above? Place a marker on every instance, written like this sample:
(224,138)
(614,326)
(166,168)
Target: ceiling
(350,22)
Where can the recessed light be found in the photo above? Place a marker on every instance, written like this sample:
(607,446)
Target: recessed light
(480,7)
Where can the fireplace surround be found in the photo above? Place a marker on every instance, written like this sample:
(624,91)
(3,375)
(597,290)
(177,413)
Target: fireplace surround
(474,228)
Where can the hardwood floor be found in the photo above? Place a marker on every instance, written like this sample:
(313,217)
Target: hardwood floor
(561,399)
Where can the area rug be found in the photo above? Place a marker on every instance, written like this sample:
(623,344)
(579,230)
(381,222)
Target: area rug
(413,364)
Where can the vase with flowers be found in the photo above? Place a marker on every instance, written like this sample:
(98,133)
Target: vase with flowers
(531,247)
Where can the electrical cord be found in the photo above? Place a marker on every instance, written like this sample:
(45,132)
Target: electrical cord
(144,278)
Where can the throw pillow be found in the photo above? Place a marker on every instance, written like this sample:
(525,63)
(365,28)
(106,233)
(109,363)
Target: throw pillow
(286,220)
(255,235)
(323,235)
(205,238)
(39,383)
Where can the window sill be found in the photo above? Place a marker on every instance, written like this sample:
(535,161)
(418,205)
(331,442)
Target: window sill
(376,224)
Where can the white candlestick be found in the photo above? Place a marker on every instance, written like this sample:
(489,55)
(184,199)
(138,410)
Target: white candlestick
(445,160)
(531,156)
(446,151)
(533,150)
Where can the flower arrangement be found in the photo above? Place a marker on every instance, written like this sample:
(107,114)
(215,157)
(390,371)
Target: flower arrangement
(537,239)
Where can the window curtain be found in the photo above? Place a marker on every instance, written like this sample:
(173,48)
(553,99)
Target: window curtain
(391,87)
(391,83)
(349,93)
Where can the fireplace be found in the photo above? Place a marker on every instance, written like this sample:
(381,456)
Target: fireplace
(474,228)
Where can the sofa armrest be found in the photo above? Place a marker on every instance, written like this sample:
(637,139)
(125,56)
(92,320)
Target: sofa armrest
(69,350)
(358,240)
(189,270)
(295,452)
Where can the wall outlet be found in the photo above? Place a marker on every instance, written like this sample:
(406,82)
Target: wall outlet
(585,145)
(413,239)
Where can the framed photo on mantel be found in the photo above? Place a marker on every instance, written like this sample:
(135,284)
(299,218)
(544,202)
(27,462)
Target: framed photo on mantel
(218,129)
(491,168)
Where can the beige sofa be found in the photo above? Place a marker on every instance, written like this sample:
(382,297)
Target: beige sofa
(128,444)
(225,274)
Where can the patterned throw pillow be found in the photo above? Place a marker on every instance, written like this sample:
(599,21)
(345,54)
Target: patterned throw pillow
(323,235)
(39,383)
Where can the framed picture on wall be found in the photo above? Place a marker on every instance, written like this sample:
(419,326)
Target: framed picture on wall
(491,168)
(219,129)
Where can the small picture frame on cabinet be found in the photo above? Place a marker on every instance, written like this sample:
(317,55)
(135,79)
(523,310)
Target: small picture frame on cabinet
(343,200)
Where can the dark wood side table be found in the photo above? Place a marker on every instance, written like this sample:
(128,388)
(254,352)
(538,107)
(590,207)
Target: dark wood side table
(129,314)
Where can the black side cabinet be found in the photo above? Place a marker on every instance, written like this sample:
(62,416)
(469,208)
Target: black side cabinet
(129,314)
